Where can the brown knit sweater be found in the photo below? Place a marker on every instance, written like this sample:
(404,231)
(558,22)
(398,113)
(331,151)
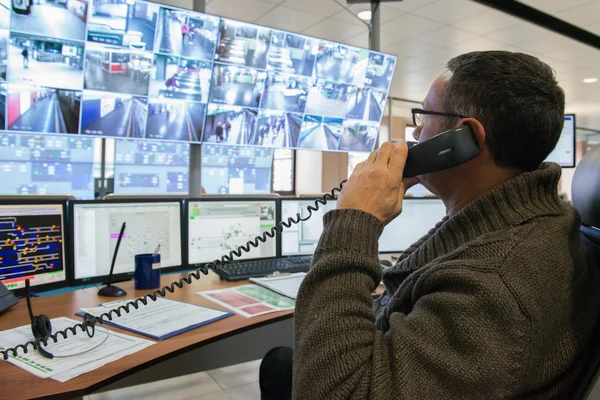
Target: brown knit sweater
(498,301)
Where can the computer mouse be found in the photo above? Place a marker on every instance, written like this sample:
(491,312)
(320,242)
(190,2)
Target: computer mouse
(385,263)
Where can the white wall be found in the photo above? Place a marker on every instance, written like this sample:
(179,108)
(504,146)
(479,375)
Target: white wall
(309,172)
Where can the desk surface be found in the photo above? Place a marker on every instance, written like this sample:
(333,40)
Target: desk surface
(15,383)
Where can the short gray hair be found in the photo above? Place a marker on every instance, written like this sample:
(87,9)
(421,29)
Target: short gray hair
(515,97)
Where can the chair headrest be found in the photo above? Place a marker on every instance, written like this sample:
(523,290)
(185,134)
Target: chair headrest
(585,189)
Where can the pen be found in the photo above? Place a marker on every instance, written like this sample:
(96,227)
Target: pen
(157,249)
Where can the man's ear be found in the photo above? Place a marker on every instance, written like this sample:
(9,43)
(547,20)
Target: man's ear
(477,130)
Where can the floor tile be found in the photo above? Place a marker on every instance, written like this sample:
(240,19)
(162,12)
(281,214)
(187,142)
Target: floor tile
(236,375)
(247,392)
(184,387)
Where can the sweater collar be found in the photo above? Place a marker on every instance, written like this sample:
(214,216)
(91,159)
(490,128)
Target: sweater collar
(529,195)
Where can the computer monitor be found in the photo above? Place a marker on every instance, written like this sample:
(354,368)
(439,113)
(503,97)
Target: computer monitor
(96,228)
(236,169)
(302,238)
(564,152)
(32,244)
(216,227)
(417,218)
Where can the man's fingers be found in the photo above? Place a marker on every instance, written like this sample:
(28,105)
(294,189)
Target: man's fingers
(372,157)
(398,157)
(383,156)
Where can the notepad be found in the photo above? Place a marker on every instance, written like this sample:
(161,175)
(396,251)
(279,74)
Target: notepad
(285,285)
(160,319)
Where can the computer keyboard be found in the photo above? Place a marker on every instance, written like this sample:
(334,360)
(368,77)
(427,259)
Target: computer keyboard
(241,270)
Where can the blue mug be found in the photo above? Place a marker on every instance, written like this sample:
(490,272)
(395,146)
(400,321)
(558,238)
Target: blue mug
(147,271)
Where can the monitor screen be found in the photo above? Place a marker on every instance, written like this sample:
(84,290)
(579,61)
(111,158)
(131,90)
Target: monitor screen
(302,238)
(564,152)
(236,169)
(32,244)
(151,167)
(217,227)
(145,70)
(96,228)
(48,165)
(417,218)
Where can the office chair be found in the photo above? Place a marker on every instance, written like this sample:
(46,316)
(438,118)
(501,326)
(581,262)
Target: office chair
(585,192)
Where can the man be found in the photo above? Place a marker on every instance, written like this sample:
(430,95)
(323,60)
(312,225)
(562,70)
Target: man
(497,301)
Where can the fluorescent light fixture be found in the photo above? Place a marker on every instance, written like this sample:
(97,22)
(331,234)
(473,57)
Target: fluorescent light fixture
(590,80)
(365,15)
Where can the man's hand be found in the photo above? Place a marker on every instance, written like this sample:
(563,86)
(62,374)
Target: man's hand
(376,185)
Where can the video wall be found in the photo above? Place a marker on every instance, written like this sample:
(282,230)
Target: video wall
(135,69)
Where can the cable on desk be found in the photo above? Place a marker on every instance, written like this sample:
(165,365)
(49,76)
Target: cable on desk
(91,321)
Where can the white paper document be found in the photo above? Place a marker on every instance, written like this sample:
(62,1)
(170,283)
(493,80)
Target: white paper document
(104,350)
(286,285)
(162,318)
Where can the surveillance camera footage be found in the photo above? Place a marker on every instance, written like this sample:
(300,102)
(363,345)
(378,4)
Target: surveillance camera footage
(42,109)
(180,78)
(186,34)
(277,129)
(3,53)
(229,124)
(286,92)
(358,136)
(125,23)
(380,70)
(339,63)
(237,86)
(63,19)
(365,104)
(117,70)
(44,61)
(242,43)
(112,114)
(320,133)
(5,7)
(292,54)
(145,70)
(173,119)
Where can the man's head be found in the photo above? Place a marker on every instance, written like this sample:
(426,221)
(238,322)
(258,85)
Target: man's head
(511,101)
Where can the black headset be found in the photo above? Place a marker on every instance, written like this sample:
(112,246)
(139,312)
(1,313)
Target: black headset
(41,327)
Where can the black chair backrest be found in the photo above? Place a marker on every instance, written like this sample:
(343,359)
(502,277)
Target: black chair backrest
(585,193)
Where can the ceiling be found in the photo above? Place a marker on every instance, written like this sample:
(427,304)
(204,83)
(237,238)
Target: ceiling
(424,34)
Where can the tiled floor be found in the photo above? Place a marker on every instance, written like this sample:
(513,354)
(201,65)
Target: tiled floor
(236,382)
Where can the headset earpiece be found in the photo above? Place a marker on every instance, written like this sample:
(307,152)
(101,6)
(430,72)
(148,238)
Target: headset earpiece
(41,327)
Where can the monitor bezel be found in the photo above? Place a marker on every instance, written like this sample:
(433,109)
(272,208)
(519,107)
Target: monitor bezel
(277,238)
(126,276)
(67,265)
(409,199)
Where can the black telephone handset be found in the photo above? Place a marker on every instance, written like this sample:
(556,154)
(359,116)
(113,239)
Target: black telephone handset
(443,151)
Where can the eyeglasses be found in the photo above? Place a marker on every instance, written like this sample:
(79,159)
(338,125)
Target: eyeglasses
(419,114)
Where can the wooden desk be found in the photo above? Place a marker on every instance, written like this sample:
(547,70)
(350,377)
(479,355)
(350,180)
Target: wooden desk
(18,384)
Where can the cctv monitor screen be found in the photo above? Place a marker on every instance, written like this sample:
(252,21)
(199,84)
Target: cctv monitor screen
(151,167)
(48,165)
(32,244)
(236,169)
(564,152)
(144,70)
(302,238)
(150,226)
(217,227)
(417,218)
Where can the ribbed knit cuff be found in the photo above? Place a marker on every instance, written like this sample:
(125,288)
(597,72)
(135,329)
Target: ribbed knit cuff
(353,230)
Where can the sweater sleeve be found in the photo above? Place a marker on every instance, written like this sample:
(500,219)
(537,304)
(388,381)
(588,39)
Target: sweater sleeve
(463,337)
